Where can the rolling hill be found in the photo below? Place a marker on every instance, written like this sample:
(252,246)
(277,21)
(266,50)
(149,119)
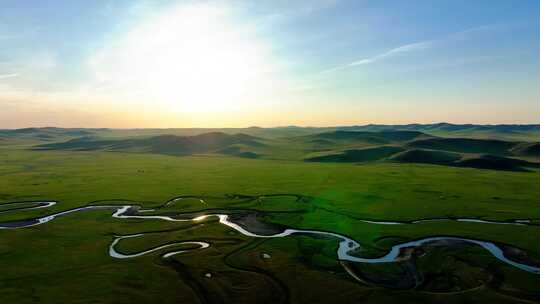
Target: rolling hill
(162,144)
(341,144)
(427,157)
(527,149)
(358,155)
(507,132)
(496,163)
(418,147)
(382,137)
(48,132)
(465,145)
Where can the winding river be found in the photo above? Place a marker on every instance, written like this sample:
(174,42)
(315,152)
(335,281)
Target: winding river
(347,249)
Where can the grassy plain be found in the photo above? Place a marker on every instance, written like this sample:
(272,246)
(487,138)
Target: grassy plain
(66,260)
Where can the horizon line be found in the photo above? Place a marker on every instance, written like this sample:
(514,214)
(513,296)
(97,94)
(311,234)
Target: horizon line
(284,126)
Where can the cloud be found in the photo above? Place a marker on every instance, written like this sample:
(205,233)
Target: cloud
(407,48)
(6,76)
(415,47)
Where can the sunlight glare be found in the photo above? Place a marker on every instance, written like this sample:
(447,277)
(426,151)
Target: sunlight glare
(192,59)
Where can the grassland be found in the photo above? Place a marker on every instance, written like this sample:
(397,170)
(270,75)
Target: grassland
(66,260)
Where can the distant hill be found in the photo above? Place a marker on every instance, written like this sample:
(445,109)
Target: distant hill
(162,144)
(48,132)
(448,127)
(321,142)
(382,137)
(418,147)
(465,145)
(238,150)
(490,162)
(427,157)
(37,135)
(505,132)
(527,149)
(413,143)
(358,155)
(420,156)
(496,163)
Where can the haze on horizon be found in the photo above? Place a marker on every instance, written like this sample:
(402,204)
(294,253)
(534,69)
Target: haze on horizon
(143,63)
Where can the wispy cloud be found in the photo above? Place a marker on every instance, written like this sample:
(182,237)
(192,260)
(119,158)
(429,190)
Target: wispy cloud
(407,48)
(414,47)
(6,76)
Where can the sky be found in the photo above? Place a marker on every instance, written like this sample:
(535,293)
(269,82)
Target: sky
(126,64)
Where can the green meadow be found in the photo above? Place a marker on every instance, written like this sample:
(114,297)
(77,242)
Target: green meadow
(67,259)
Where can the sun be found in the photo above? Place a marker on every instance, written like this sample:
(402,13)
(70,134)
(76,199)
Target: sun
(190,59)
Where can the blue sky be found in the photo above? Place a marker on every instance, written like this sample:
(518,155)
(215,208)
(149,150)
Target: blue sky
(268,63)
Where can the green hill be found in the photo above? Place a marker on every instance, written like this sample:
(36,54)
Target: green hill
(322,142)
(358,155)
(48,132)
(382,137)
(527,149)
(490,162)
(465,145)
(163,144)
(427,157)
(496,163)
(501,132)
(345,146)
(239,150)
